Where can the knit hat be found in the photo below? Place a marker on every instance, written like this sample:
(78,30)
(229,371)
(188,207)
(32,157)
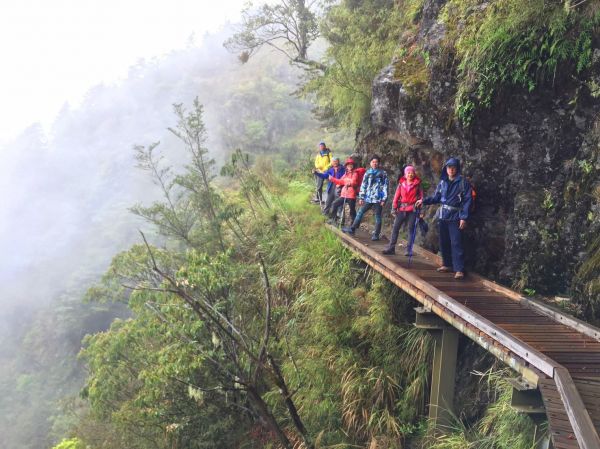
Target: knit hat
(409,168)
(349,161)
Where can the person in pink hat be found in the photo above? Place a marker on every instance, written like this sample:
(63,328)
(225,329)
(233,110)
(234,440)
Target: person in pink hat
(409,191)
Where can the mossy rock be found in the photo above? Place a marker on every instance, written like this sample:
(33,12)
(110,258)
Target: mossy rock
(411,70)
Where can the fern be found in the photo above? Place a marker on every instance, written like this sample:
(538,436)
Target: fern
(515,43)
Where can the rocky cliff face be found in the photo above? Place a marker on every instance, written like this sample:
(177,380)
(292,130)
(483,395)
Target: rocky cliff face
(533,157)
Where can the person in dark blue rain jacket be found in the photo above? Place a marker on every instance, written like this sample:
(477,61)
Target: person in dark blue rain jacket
(337,171)
(453,193)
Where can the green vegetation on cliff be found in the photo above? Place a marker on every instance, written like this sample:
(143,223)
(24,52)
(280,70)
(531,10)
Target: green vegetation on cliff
(194,367)
(361,37)
(253,328)
(516,43)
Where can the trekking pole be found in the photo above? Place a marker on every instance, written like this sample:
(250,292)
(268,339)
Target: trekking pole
(413,236)
(343,216)
(382,214)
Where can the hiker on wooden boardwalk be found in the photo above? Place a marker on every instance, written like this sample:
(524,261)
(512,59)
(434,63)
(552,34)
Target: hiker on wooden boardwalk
(322,163)
(335,171)
(409,191)
(372,195)
(454,194)
(350,184)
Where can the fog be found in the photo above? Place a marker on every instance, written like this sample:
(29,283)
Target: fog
(55,51)
(65,193)
(65,190)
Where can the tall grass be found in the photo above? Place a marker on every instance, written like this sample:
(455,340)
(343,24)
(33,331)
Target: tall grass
(358,367)
(501,427)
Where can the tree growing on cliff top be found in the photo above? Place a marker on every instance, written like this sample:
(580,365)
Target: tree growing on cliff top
(361,38)
(289,26)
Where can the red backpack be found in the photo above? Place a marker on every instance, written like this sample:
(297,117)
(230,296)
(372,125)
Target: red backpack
(473,192)
(361,174)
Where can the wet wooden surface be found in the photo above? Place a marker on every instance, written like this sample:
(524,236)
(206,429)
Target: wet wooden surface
(578,353)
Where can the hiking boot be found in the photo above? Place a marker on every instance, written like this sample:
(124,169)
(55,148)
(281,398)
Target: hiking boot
(459,275)
(377,230)
(375,237)
(389,251)
(443,269)
(348,230)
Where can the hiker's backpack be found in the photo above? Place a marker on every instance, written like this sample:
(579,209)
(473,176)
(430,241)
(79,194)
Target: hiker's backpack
(361,174)
(473,192)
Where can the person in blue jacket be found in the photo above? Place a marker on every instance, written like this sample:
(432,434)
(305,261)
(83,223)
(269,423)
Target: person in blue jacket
(337,171)
(373,195)
(453,193)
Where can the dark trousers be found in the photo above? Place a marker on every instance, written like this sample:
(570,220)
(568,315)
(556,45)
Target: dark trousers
(339,202)
(453,254)
(377,207)
(401,218)
(332,195)
(319,185)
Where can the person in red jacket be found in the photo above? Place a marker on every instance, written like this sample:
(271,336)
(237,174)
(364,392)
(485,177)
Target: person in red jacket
(408,192)
(350,184)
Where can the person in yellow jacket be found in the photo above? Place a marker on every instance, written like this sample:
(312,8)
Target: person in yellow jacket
(322,163)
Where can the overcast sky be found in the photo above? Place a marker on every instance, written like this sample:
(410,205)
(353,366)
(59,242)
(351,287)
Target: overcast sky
(53,51)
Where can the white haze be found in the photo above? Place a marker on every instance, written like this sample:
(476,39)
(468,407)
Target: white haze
(52,52)
(65,190)
(66,165)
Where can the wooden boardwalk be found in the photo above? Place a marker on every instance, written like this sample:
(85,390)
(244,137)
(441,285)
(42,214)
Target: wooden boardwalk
(550,349)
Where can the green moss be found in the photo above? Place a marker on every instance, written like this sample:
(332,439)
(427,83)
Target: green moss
(515,43)
(411,69)
(73,443)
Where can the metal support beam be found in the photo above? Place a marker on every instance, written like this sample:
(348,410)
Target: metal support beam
(544,443)
(443,374)
(527,398)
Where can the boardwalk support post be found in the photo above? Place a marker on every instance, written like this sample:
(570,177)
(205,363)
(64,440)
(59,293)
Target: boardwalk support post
(526,398)
(505,335)
(443,374)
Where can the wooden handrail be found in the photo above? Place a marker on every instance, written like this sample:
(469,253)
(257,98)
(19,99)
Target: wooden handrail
(524,351)
(555,314)
(580,420)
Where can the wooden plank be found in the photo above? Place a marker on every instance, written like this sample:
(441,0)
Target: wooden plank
(554,313)
(464,284)
(577,414)
(563,348)
(560,427)
(570,337)
(524,351)
(481,294)
(591,357)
